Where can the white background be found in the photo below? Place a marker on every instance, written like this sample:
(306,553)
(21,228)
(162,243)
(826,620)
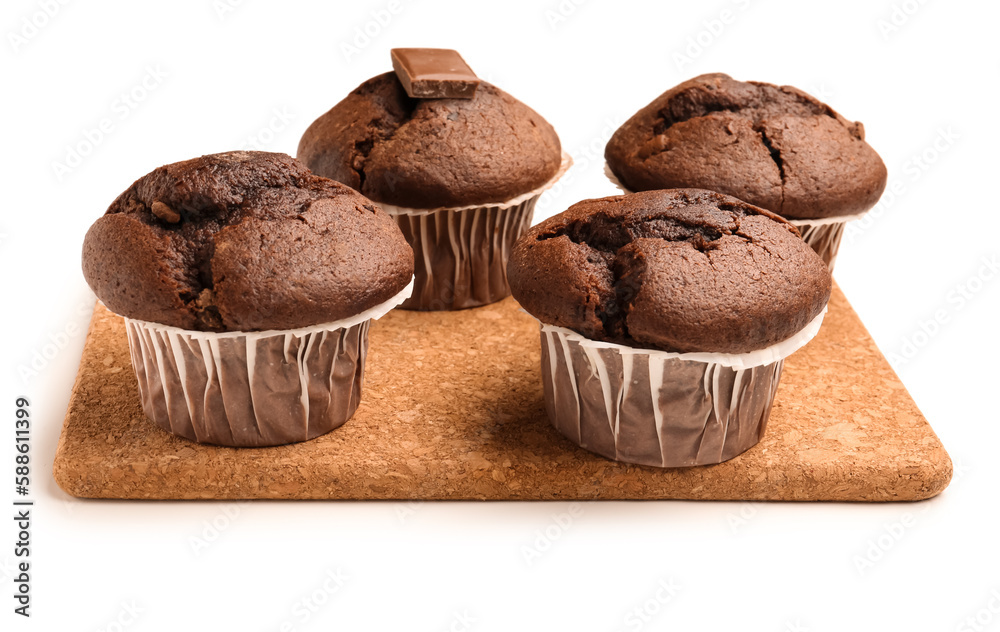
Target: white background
(215,79)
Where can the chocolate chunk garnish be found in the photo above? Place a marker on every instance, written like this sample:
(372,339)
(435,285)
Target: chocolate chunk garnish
(434,73)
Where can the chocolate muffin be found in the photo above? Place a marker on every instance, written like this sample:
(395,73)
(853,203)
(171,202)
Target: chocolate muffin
(678,270)
(243,241)
(773,146)
(665,319)
(432,153)
(247,284)
(460,176)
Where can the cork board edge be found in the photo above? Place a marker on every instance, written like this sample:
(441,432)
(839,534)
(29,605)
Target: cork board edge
(926,483)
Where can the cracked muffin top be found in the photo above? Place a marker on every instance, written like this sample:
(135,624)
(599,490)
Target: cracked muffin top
(430,153)
(773,146)
(680,270)
(243,241)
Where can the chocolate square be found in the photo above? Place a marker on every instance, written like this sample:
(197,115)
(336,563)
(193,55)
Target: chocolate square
(434,73)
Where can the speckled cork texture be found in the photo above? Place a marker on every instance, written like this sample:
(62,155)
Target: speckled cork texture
(452,409)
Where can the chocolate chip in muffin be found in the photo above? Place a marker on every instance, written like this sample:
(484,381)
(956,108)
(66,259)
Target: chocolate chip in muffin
(164,212)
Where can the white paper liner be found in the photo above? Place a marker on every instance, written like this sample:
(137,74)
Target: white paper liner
(460,257)
(659,408)
(564,165)
(649,410)
(758,357)
(252,388)
(824,234)
(824,238)
(460,253)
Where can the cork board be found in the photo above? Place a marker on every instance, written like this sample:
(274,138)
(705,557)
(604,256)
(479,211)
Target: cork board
(452,409)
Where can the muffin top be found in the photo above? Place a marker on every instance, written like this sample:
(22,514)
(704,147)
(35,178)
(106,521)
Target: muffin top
(681,270)
(243,241)
(430,153)
(773,146)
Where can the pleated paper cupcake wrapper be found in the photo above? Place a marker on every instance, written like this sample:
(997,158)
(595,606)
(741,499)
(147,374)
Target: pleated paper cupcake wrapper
(250,389)
(651,407)
(823,235)
(460,254)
